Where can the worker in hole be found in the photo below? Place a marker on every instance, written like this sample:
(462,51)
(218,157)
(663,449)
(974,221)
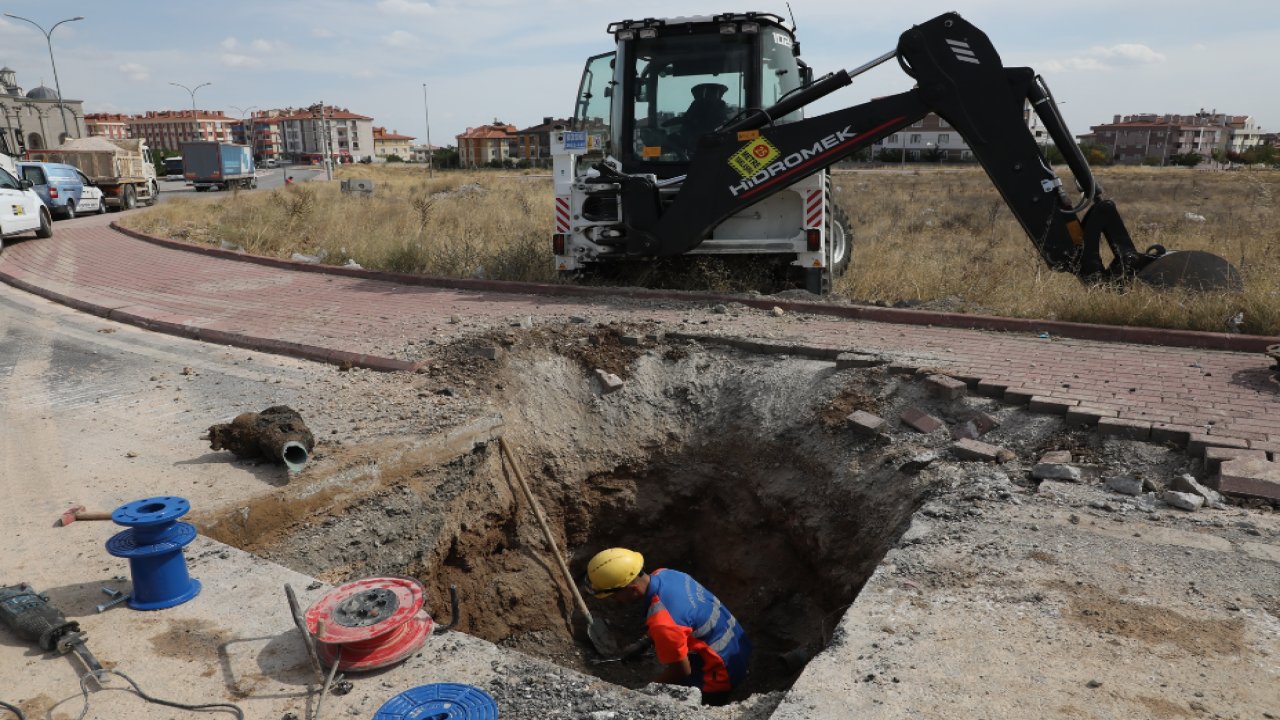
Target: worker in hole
(694,634)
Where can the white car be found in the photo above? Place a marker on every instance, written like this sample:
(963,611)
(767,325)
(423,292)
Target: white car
(21,210)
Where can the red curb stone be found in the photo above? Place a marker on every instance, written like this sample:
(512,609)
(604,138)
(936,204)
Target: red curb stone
(1019,396)
(1128,429)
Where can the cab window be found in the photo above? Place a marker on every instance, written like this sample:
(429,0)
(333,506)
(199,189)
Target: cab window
(34,174)
(7,180)
(781,71)
(595,96)
(684,88)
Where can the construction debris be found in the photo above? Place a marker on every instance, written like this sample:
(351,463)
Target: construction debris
(277,433)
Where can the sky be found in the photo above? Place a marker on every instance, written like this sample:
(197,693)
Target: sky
(519,61)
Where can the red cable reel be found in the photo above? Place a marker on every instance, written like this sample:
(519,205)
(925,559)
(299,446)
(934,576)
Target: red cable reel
(371,623)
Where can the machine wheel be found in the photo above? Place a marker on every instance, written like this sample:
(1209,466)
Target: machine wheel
(69,212)
(841,240)
(202,189)
(128,198)
(253,184)
(46,225)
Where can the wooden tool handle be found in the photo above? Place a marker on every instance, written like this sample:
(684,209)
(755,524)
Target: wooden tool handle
(546,530)
(93,515)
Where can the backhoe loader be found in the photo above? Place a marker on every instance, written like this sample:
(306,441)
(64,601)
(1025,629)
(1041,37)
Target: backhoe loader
(690,138)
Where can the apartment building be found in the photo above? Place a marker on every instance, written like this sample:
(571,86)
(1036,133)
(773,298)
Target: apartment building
(421,153)
(168,129)
(386,144)
(114,126)
(933,139)
(534,143)
(1151,138)
(487,143)
(307,134)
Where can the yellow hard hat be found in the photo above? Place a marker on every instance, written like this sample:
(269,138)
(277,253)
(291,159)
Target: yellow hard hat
(613,569)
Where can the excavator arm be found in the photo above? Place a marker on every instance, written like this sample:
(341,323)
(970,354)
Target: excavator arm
(960,77)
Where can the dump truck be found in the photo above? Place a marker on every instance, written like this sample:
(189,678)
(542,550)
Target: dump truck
(218,165)
(690,137)
(122,169)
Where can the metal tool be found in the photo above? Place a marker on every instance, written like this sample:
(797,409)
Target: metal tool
(77,512)
(597,631)
(116,596)
(30,616)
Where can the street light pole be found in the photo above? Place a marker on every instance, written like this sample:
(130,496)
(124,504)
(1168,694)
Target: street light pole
(195,122)
(56,85)
(426,112)
(243,112)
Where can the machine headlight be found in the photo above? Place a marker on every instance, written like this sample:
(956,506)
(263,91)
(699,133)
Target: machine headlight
(728,29)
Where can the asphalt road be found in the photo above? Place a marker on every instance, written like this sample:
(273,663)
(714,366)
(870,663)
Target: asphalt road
(268,179)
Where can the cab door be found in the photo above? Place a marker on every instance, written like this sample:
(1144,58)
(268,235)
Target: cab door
(19,208)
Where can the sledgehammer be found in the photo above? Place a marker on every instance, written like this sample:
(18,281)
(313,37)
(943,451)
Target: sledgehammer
(77,512)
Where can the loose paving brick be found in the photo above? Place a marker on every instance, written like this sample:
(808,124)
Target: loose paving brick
(609,383)
(1250,477)
(1214,456)
(976,450)
(920,421)
(865,423)
(947,388)
(1055,457)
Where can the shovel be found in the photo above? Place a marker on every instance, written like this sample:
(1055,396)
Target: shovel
(597,631)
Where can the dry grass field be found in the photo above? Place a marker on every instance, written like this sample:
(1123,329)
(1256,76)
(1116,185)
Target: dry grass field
(940,237)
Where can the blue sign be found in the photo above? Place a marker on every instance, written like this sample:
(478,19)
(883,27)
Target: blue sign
(575,140)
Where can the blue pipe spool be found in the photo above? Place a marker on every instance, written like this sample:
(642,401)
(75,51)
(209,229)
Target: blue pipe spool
(153,544)
(440,701)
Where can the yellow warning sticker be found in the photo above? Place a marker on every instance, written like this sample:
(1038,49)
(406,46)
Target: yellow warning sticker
(745,135)
(753,157)
(19,210)
(651,151)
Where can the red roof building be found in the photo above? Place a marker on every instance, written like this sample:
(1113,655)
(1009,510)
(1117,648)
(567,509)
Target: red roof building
(487,143)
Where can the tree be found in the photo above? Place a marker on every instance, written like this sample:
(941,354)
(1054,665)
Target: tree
(1261,154)
(1096,154)
(394,158)
(445,157)
(1188,159)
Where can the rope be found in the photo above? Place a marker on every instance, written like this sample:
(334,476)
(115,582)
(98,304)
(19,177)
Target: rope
(13,709)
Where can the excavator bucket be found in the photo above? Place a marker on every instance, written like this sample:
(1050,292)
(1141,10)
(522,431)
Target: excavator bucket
(1193,269)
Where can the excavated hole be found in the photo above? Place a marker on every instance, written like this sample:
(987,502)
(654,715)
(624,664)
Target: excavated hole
(735,468)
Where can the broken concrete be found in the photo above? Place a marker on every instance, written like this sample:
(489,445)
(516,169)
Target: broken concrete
(865,423)
(1186,483)
(975,450)
(1182,500)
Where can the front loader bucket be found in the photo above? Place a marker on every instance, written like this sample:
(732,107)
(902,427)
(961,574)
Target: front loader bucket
(1193,269)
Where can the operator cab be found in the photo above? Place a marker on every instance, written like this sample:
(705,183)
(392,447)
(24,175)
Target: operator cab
(671,81)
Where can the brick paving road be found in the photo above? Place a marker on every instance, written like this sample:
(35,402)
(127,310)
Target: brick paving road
(1142,391)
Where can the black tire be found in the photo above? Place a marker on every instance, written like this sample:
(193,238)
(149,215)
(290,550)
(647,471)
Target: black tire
(128,198)
(839,234)
(253,184)
(45,230)
(203,189)
(69,210)
(155,192)
(102,206)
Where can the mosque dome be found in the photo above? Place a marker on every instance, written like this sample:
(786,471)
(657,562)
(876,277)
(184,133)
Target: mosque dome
(42,93)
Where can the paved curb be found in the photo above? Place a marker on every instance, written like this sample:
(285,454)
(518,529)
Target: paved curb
(342,358)
(1081,331)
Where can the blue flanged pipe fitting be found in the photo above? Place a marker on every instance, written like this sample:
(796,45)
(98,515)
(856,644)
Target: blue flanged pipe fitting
(440,701)
(153,544)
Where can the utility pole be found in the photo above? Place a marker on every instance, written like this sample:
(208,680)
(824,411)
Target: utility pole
(431,155)
(328,152)
(48,36)
(248,139)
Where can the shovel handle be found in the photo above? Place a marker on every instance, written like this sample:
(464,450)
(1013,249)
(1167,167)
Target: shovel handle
(93,516)
(546,530)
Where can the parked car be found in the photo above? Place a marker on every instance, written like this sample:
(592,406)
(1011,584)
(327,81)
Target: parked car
(21,209)
(63,188)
